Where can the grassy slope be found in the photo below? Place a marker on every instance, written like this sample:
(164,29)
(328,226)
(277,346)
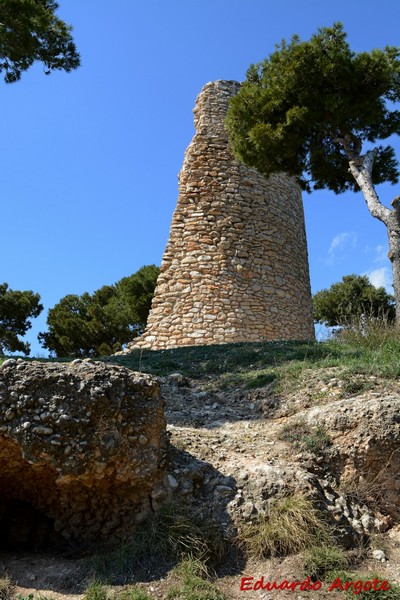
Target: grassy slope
(256,364)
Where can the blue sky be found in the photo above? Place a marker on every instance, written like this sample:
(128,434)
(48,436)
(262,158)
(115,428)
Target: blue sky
(89,160)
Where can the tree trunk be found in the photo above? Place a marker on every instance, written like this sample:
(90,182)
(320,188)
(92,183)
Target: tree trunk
(390,218)
(393,230)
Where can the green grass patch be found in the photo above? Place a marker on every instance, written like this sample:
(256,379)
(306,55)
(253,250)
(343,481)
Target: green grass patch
(197,361)
(253,365)
(304,437)
(98,591)
(321,561)
(193,583)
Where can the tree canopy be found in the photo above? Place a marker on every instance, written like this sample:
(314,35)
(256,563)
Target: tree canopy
(308,107)
(30,31)
(355,296)
(103,322)
(16,310)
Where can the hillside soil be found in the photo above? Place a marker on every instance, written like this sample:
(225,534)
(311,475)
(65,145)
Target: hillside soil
(236,430)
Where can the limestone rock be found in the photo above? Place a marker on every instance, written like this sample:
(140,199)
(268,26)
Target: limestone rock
(366,433)
(82,444)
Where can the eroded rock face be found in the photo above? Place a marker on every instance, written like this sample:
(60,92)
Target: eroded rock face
(353,479)
(82,444)
(235,267)
(366,432)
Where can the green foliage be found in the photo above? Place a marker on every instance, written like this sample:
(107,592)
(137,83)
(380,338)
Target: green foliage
(29,32)
(194,584)
(101,323)
(345,302)
(16,310)
(135,294)
(97,591)
(297,106)
(321,561)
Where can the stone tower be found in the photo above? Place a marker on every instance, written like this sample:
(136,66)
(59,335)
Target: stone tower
(235,268)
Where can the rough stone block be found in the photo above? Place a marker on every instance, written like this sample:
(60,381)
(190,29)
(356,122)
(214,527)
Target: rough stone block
(82,446)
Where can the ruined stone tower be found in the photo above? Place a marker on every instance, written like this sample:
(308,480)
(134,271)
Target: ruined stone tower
(235,267)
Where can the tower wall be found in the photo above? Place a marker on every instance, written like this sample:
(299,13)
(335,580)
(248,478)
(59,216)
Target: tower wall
(235,267)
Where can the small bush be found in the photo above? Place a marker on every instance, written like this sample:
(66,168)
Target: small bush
(292,525)
(259,379)
(355,386)
(317,440)
(321,561)
(194,584)
(183,536)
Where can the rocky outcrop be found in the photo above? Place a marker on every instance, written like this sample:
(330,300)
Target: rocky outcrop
(82,450)
(366,456)
(235,267)
(353,478)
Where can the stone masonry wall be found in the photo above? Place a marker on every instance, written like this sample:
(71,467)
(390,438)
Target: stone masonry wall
(235,267)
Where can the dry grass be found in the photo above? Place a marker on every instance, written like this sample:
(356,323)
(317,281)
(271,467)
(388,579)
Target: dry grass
(370,489)
(292,525)
(370,332)
(98,591)
(169,536)
(6,588)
